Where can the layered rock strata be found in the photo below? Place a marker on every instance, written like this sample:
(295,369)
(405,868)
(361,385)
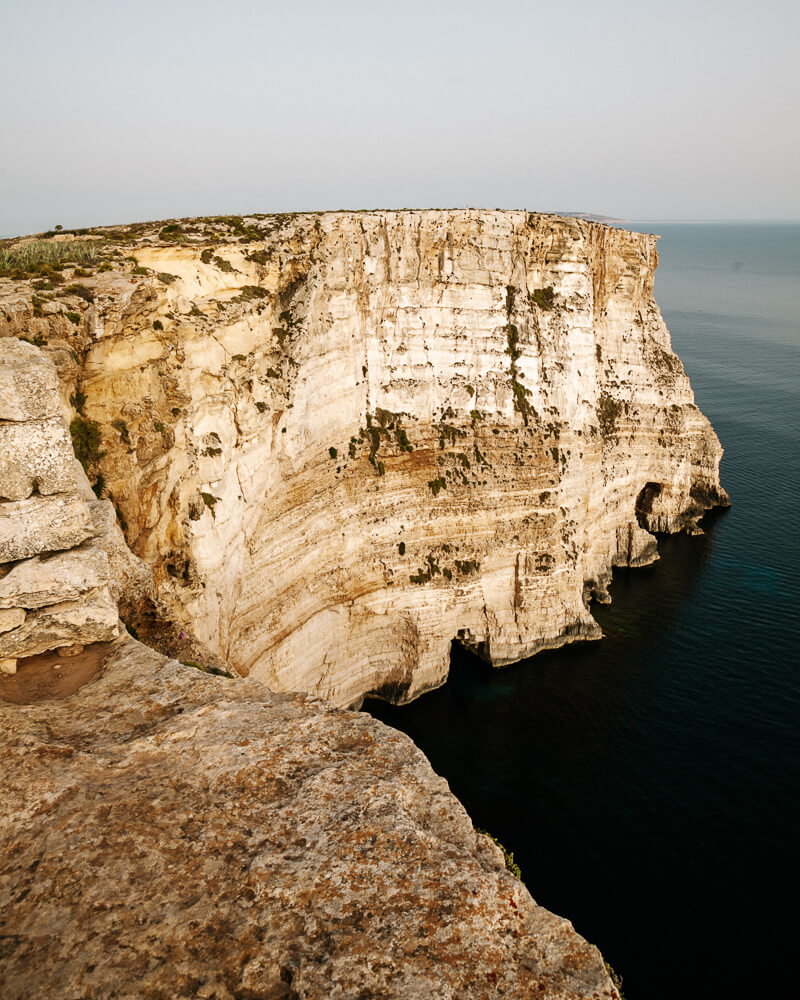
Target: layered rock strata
(342,441)
(169,834)
(55,580)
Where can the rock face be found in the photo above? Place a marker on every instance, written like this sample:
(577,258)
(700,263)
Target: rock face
(342,441)
(55,582)
(169,834)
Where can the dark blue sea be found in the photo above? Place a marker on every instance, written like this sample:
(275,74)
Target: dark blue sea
(649,784)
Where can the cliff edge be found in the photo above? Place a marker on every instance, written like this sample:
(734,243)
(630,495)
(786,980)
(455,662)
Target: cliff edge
(334,443)
(165,833)
(168,833)
(342,441)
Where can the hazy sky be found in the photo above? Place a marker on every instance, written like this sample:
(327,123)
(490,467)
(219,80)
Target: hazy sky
(116,112)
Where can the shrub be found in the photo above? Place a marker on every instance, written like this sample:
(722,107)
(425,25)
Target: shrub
(210,501)
(332,452)
(81,291)
(78,400)
(223,265)
(402,440)
(172,231)
(250,292)
(122,427)
(544,297)
(86,438)
(508,857)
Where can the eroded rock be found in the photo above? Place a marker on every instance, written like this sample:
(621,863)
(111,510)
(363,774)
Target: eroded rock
(346,439)
(43,524)
(54,591)
(35,455)
(51,579)
(28,382)
(166,833)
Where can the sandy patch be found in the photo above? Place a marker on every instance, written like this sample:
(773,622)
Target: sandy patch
(49,677)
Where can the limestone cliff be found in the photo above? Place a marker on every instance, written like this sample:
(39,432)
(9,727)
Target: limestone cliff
(164,833)
(343,440)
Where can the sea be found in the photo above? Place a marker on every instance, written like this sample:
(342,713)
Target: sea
(648,784)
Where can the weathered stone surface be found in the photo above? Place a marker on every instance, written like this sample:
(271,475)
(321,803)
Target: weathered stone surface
(168,834)
(130,578)
(68,651)
(10,617)
(51,598)
(43,524)
(364,435)
(29,387)
(93,617)
(35,455)
(51,579)
(8,666)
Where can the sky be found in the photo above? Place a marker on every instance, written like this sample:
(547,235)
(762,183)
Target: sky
(118,112)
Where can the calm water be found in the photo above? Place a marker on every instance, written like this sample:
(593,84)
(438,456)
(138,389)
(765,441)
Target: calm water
(649,784)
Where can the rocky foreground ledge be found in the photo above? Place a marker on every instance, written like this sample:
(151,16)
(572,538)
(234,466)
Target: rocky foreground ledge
(165,833)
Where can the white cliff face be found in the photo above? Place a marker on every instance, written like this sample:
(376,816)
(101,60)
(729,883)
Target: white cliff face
(358,437)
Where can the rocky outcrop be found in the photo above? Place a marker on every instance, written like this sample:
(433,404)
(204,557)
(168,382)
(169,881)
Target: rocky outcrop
(55,582)
(342,441)
(169,834)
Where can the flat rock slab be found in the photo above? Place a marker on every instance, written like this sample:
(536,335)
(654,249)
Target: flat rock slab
(28,382)
(43,524)
(169,834)
(53,578)
(92,618)
(36,455)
